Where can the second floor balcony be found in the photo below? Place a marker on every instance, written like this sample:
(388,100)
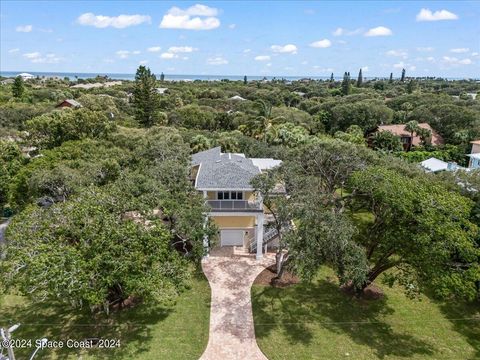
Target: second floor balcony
(234,205)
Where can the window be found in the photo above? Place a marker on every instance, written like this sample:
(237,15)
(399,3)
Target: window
(229,195)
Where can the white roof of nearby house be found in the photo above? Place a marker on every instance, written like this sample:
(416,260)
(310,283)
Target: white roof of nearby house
(299,93)
(434,165)
(265,164)
(237,97)
(161,90)
(26,75)
(72,102)
(474,156)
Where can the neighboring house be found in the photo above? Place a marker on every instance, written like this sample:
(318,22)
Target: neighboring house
(224,179)
(474,156)
(237,98)
(70,103)
(7,81)
(161,91)
(406,137)
(299,93)
(435,165)
(26,76)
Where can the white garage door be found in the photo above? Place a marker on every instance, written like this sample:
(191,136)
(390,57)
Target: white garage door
(231,237)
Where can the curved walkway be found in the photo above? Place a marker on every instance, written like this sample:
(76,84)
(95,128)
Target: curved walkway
(232,335)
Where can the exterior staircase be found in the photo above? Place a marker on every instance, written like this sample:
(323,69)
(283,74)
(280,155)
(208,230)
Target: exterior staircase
(268,237)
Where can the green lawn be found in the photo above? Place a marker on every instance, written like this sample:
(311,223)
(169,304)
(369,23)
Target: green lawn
(146,332)
(317,321)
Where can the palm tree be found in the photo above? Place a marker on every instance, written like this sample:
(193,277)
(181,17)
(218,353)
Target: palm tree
(265,119)
(412,127)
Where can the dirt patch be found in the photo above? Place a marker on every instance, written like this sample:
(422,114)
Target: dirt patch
(371,292)
(268,278)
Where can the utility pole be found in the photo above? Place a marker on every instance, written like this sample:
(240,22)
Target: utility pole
(5,334)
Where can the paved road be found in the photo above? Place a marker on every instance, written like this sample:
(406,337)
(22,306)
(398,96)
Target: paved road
(232,335)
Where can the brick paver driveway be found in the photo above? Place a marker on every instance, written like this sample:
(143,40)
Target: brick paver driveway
(232,335)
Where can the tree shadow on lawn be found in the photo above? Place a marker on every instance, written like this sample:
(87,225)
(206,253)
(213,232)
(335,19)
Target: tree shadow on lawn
(303,307)
(465,319)
(60,322)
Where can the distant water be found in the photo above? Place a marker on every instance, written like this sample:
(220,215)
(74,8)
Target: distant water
(115,76)
(72,76)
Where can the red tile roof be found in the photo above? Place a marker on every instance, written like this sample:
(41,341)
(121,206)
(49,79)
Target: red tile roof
(399,130)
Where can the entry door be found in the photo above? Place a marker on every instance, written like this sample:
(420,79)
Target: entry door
(231,237)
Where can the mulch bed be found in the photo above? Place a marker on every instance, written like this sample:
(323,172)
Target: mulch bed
(268,278)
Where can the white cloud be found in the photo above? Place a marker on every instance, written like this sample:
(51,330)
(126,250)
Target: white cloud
(246,51)
(402,65)
(427,15)
(321,69)
(218,60)
(262,58)
(154,49)
(325,43)
(268,65)
(460,50)
(289,48)
(397,53)
(365,69)
(426,49)
(341,31)
(304,62)
(12,51)
(118,22)
(143,62)
(24,28)
(136,52)
(168,55)
(379,31)
(181,49)
(475,54)
(36,57)
(232,26)
(196,17)
(456,61)
(32,55)
(122,54)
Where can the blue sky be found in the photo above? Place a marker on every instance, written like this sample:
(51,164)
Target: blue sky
(242,37)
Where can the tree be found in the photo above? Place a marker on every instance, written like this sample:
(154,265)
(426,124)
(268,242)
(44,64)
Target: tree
(200,143)
(52,129)
(402,78)
(346,85)
(354,135)
(412,127)
(410,86)
(360,79)
(145,97)
(332,79)
(18,87)
(391,78)
(245,81)
(386,141)
(265,118)
(162,77)
(420,230)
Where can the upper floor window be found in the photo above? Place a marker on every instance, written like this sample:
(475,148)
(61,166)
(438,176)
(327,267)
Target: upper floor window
(230,195)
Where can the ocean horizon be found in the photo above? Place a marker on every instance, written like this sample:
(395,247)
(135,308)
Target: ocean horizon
(186,77)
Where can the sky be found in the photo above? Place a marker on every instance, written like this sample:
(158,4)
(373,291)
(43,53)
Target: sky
(284,38)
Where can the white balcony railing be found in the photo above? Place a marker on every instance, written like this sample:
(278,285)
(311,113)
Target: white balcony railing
(234,205)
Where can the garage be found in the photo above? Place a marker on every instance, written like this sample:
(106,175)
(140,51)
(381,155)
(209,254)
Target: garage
(231,237)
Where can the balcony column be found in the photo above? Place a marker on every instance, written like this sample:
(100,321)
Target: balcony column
(259,235)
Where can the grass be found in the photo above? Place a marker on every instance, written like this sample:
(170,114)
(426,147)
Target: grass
(145,332)
(318,321)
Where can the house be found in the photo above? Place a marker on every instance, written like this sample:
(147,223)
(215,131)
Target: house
(26,76)
(70,103)
(237,98)
(161,91)
(474,156)
(7,81)
(224,179)
(436,165)
(406,137)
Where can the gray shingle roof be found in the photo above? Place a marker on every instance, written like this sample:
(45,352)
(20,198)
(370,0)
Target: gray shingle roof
(223,171)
